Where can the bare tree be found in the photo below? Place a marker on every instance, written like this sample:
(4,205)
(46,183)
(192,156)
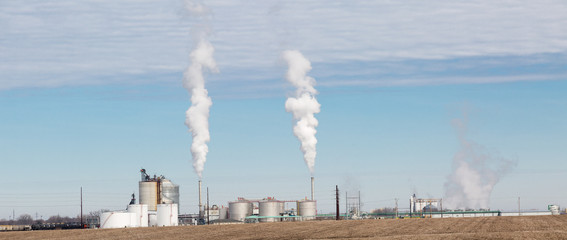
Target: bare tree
(98,212)
(384,210)
(25,219)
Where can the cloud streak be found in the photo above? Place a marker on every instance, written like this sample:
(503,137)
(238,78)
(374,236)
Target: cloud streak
(79,43)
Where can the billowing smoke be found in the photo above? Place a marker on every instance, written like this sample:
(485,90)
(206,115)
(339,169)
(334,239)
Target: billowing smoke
(475,173)
(303,105)
(197,116)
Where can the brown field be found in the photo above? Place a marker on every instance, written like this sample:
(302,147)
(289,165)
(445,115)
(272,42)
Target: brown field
(537,227)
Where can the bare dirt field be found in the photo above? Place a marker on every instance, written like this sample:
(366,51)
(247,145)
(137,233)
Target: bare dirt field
(537,227)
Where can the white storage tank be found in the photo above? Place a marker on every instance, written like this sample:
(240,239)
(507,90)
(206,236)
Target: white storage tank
(167,215)
(307,209)
(142,214)
(149,194)
(152,218)
(169,192)
(117,219)
(239,210)
(223,212)
(270,208)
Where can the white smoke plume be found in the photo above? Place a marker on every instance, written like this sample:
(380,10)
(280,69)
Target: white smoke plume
(475,173)
(197,116)
(303,104)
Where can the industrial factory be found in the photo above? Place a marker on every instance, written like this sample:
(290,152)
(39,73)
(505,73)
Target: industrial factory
(159,206)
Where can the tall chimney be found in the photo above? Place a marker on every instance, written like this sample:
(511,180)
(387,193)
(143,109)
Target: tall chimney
(200,202)
(313,188)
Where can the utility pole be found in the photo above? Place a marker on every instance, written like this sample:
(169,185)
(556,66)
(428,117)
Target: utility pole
(337,198)
(208,208)
(519,209)
(441,207)
(359,205)
(396,208)
(82,225)
(410,208)
(346,205)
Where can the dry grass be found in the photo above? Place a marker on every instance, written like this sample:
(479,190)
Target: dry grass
(537,227)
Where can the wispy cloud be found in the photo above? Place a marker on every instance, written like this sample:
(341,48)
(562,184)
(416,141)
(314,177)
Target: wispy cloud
(61,43)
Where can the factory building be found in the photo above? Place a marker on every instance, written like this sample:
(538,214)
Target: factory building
(157,190)
(420,205)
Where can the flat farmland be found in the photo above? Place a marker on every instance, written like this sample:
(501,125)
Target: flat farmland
(536,227)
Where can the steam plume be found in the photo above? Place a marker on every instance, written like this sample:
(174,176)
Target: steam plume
(197,116)
(475,173)
(303,105)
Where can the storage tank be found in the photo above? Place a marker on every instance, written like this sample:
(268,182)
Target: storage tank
(239,210)
(169,192)
(282,207)
(167,215)
(270,208)
(149,194)
(223,212)
(307,209)
(142,214)
(117,219)
(152,218)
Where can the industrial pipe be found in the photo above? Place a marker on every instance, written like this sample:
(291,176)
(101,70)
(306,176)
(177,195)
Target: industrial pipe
(313,188)
(200,202)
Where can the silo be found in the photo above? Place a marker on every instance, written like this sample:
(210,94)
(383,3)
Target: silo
(169,192)
(270,208)
(117,219)
(223,212)
(142,214)
(239,210)
(149,194)
(167,215)
(307,209)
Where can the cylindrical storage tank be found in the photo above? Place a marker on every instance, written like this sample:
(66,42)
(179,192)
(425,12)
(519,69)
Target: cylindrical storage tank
(169,192)
(152,218)
(307,209)
(223,213)
(116,219)
(167,215)
(149,194)
(239,210)
(142,214)
(282,207)
(270,209)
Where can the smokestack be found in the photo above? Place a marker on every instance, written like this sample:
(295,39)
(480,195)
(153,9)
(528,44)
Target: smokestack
(200,202)
(313,188)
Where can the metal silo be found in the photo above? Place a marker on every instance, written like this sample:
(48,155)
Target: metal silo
(169,192)
(149,194)
(239,210)
(157,190)
(307,209)
(270,208)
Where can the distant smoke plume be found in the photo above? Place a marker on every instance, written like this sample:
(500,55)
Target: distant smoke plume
(475,173)
(303,105)
(197,116)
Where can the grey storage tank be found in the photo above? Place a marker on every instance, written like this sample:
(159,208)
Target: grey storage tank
(270,208)
(239,210)
(307,209)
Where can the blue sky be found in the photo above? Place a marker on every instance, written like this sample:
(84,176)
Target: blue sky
(90,91)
